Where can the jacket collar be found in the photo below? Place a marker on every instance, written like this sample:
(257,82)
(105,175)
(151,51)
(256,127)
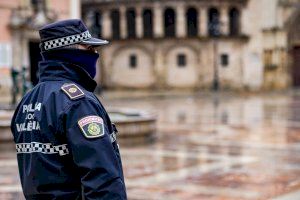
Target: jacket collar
(53,70)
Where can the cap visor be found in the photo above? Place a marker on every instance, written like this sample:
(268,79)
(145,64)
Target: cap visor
(95,42)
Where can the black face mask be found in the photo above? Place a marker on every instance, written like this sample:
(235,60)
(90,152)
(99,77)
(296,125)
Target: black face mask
(84,58)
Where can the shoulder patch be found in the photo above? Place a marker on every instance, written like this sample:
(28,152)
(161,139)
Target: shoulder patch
(72,90)
(91,126)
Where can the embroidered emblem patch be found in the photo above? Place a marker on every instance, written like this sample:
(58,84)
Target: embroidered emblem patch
(91,126)
(72,90)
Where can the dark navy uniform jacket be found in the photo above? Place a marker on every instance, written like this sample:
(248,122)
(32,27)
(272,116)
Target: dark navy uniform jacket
(59,155)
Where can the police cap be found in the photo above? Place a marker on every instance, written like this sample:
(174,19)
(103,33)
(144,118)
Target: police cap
(67,32)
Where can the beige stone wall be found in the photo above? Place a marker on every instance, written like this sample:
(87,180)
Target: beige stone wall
(114,63)
(142,76)
(253,20)
(265,22)
(276,72)
(231,76)
(186,76)
(160,69)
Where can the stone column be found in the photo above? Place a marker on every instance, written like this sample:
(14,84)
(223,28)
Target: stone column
(243,18)
(139,22)
(106,23)
(224,21)
(75,9)
(202,21)
(123,22)
(159,69)
(158,20)
(180,21)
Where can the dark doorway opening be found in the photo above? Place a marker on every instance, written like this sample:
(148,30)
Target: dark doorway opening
(170,25)
(214,22)
(296,66)
(192,22)
(234,22)
(96,29)
(34,58)
(147,22)
(115,26)
(130,17)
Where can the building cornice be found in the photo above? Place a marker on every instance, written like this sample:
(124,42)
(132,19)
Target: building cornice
(207,2)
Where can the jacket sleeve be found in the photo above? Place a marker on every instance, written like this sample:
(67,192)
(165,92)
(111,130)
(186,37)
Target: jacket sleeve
(93,154)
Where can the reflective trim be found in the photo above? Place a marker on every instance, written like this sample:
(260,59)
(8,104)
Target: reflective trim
(113,137)
(45,148)
(65,41)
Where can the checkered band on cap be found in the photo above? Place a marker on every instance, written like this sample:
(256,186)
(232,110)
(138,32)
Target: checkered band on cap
(65,41)
(45,148)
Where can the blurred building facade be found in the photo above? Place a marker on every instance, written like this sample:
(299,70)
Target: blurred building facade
(235,44)
(226,44)
(19,39)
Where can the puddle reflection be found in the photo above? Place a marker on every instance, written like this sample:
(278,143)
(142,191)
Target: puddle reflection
(207,147)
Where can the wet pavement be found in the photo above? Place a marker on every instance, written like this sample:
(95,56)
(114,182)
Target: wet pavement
(208,147)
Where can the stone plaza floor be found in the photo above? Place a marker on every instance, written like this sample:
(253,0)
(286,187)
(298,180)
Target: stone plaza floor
(207,147)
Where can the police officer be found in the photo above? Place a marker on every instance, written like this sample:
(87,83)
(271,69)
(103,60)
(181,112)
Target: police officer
(66,144)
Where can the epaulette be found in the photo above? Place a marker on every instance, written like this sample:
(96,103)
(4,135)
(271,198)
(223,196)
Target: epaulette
(72,90)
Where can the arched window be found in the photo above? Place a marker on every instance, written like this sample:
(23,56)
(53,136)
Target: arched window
(94,23)
(170,20)
(98,24)
(147,23)
(234,21)
(192,22)
(214,22)
(115,25)
(130,17)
